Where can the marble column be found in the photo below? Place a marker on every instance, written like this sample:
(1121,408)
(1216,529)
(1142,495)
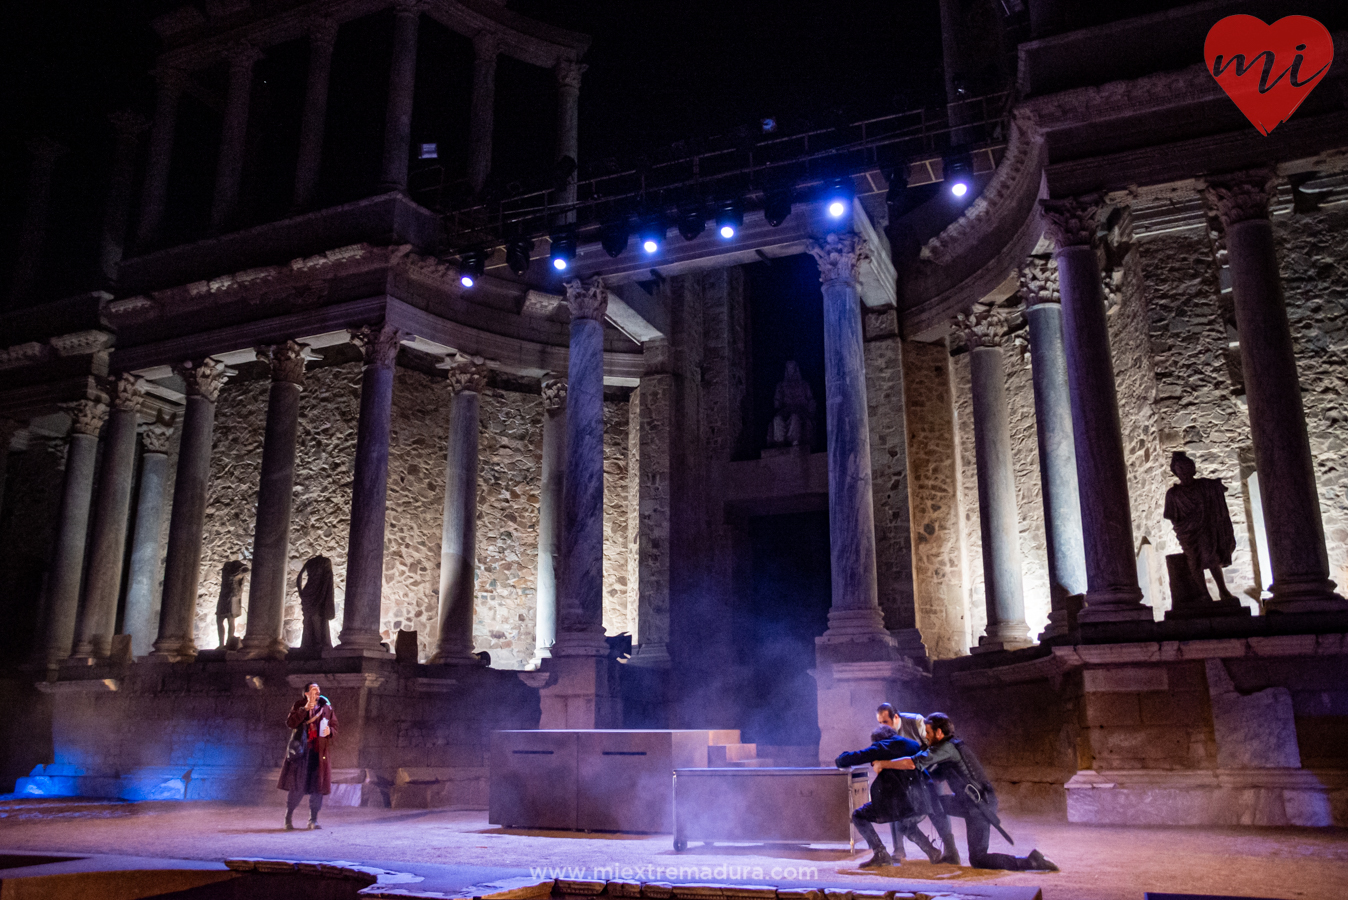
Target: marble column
(369,493)
(486,47)
(998,518)
(142,581)
(1112,592)
(233,134)
(1282,451)
(401,82)
(8,429)
(568,73)
(1057,455)
(458,544)
(322,38)
(269,579)
(169,84)
(187,517)
(112,510)
(550,523)
(856,628)
(72,527)
(117,208)
(33,232)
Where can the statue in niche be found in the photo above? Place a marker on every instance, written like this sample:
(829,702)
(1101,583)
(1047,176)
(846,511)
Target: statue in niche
(316,604)
(1196,507)
(793,422)
(230,605)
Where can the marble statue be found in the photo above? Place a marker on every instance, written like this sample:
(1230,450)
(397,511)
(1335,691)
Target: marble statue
(316,603)
(1196,507)
(793,423)
(230,605)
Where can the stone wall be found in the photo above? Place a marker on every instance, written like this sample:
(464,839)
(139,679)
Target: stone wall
(971,535)
(616,500)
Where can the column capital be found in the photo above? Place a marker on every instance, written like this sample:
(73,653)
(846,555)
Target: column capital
(1039,282)
(155,436)
(87,416)
(588,300)
(487,46)
(1071,221)
(465,373)
(323,31)
(241,55)
(287,361)
(983,327)
(127,392)
(1242,196)
(554,393)
(170,79)
(568,72)
(839,256)
(128,123)
(379,344)
(204,378)
(408,8)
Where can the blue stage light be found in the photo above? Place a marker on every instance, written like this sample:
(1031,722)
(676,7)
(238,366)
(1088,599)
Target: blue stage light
(730,219)
(563,248)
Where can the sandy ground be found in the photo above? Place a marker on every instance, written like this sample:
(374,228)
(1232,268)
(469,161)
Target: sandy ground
(452,851)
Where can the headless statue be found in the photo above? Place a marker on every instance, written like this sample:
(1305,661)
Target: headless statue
(1196,507)
(793,423)
(230,605)
(316,603)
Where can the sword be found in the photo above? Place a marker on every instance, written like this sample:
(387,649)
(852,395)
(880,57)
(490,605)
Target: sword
(976,799)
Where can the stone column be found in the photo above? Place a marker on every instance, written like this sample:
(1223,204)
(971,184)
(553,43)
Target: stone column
(458,545)
(1282,451)
(401,82)
(169,85)
(651,419)
(855,624)
(117,209)
(322,37)
(142,581)
(269,580)
(112,509)
(233,133)
(568,73)
(1057,456)
(72,528)
(998,519)
(187,519)
(8,428)
(369,493)
(1112,593)
(33,233)
(486,47)
(550,522)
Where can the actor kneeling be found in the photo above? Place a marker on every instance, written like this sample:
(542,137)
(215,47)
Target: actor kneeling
(902,799)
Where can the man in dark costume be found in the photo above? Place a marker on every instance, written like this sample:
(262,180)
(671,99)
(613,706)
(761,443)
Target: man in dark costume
(306,770)
(1196,507)
(914,727)
(903,799)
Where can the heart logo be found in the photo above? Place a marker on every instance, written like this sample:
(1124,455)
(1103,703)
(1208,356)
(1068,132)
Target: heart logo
(1268,70)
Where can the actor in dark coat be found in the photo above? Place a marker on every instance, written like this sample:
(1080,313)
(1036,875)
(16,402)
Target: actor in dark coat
(904,800)
(307,770)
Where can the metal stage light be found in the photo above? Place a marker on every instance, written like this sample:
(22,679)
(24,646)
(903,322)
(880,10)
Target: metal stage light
(563,248)
(518,254)
(838,197)
(613,236)
(730,219)
(471,265)
(651,237)
(777,206)
(958,172)
(692,222)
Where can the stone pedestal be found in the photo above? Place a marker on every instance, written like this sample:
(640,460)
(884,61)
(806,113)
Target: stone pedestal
(1189,599)
(169,85)
(1291,501)
(486,47)
(1112,593)
(33,231)
(322,37)
(187,520)
(1057,455)
(550,523)
(142,581)
(369,494)
(269,580)
(112,508)
(63,582)
(849,693)
(458,546)
(580,692)
(117,207)
(998,518)
(401,82)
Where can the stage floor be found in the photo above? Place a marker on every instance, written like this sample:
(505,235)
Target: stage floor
(457,853)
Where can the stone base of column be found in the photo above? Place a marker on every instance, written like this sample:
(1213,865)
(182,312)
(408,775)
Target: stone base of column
(1006,636)
(1062,620)
(173,651)
(579,692)
(1316,596)
(908,643)
(580,643)
(1208,609)
(455,658)
(272,649)
(650,656)
(849,693)
(1114,606)
(540,654)
(855,635)
(342,652)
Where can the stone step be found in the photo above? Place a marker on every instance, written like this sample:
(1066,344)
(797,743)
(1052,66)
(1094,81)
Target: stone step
(725,754)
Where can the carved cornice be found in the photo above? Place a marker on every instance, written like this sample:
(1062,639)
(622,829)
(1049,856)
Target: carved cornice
(840,256)
(379,344)
(155,437)
(87,416)
(127,392)
(81,343)
(203,378)
(554,393)
(1039,282)
(1242,196)
(1072,221)
(287,361)
(1086,105)
(465,373)
(588,300)
(568,73)
(983,327)
(21,355)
